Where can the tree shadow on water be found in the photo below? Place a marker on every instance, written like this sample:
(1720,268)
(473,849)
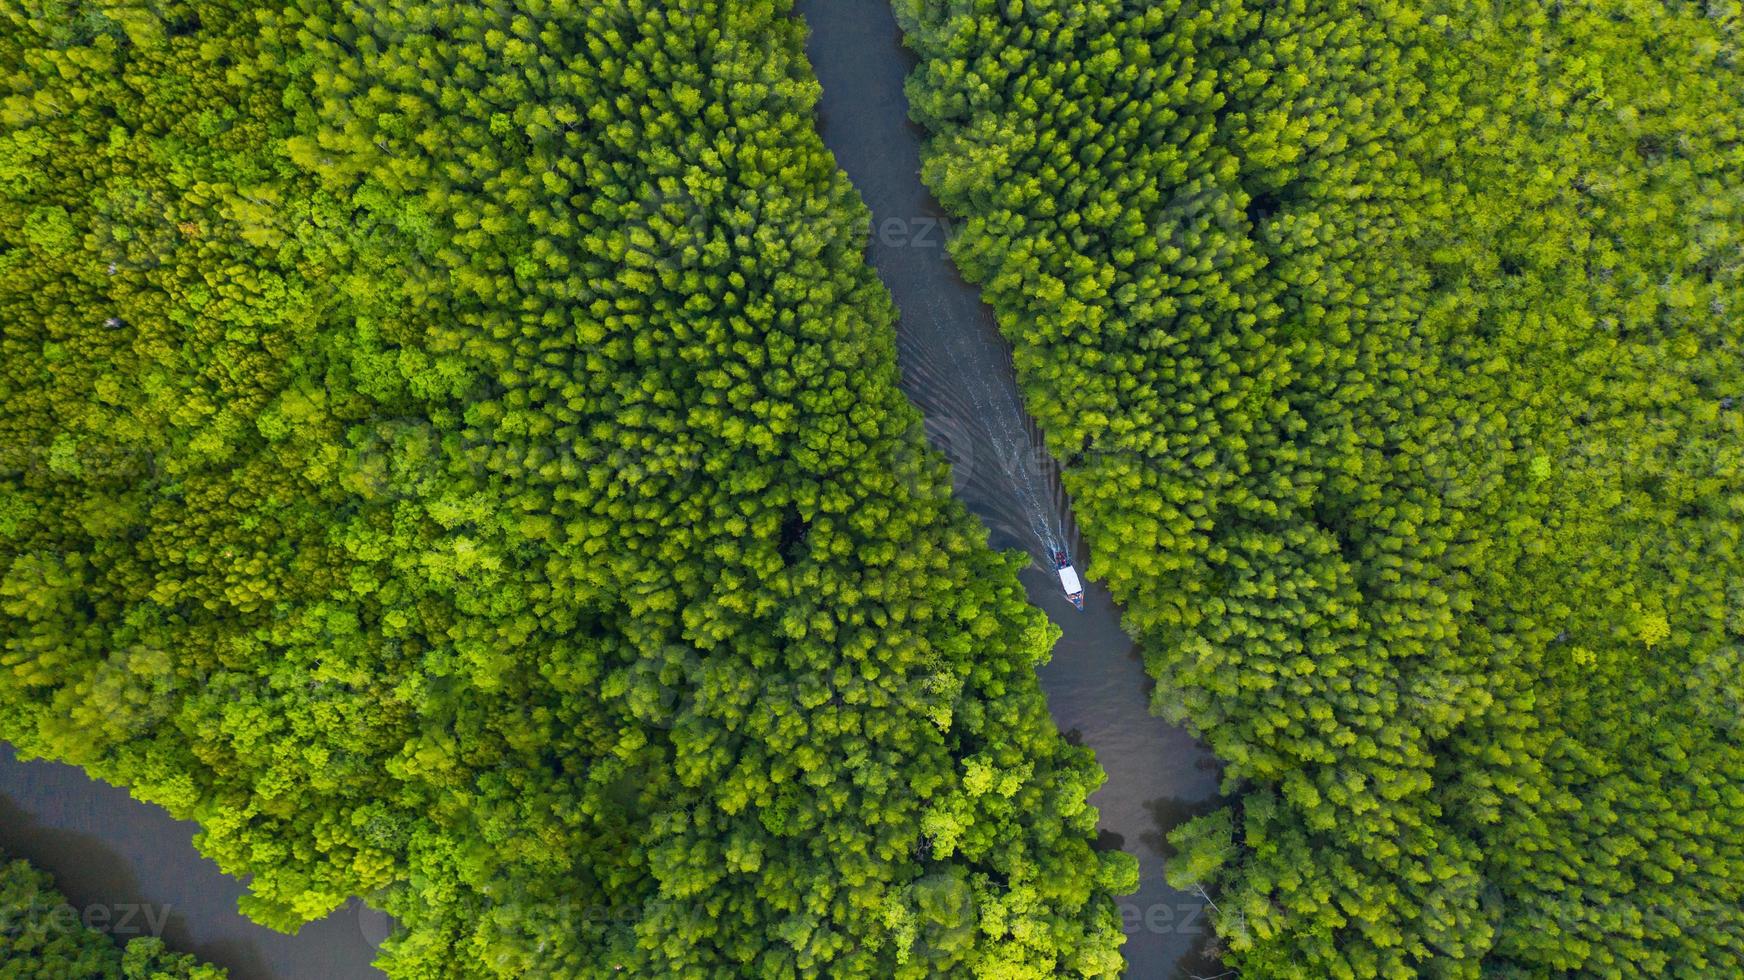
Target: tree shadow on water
(1108,840)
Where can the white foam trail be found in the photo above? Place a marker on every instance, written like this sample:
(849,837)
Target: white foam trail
(999,412)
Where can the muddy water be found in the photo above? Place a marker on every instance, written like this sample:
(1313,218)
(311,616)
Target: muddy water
(957,369)
(131,870)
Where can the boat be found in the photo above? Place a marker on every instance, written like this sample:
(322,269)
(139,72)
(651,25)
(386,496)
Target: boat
(1069,580)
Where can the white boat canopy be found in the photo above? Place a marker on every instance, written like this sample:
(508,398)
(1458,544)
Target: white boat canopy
(1069,580)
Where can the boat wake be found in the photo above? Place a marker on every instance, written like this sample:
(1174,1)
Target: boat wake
(1020,472)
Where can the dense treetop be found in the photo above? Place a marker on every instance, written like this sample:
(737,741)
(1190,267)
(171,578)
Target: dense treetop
(1392,351)
(452,452)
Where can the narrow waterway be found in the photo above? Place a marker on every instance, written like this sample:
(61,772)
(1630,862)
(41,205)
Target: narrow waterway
(957,369)
(131,870)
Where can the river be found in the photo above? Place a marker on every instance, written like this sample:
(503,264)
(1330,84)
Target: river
(956,368)
(132,870)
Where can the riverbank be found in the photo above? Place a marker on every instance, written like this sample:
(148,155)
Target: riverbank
(133,868)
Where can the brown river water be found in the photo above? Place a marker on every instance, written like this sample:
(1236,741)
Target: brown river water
(957,370)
